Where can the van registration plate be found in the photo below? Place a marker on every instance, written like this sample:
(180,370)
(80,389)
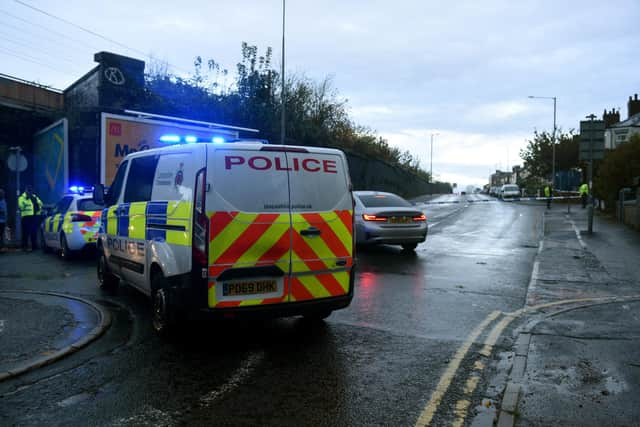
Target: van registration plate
(249,287)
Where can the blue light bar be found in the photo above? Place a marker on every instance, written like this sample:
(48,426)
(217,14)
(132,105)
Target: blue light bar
(217,140)
(79,189)
(170,138)
(190,139)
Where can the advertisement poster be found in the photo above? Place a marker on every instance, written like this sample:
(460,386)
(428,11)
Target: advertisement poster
(122,135)
(51,162)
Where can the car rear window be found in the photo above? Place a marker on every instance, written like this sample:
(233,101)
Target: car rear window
(383,201)
(511,188)
(88,205)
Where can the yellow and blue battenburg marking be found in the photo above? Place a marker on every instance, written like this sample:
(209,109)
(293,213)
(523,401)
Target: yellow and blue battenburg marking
(160,221)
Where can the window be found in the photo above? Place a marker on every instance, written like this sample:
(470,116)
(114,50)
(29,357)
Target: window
(383,201)
(63,205)
(116,186)
(140,179)
(88,205)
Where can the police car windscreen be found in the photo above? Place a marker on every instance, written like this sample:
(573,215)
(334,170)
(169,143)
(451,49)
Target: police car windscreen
(88,205)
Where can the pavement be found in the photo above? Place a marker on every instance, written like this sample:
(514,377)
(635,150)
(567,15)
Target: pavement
(576,358)
(39,327)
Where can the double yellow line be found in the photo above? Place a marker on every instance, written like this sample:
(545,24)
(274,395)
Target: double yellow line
(461,407)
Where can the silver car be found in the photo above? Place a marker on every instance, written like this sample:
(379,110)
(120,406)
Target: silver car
(388,218)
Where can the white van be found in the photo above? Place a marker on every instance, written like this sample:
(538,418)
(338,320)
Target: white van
(230,229)
(509,191)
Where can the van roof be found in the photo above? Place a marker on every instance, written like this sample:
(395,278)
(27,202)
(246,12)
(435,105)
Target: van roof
(237,145)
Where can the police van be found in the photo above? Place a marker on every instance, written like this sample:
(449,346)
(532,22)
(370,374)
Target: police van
(230,228)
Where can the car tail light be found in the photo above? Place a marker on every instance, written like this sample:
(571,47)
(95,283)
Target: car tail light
(422,217)
(368,217)
(77,217)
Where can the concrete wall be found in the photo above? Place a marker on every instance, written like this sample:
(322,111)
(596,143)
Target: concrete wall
(372,174)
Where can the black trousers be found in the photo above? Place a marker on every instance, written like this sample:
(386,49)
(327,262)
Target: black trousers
(30,231)
(584,200)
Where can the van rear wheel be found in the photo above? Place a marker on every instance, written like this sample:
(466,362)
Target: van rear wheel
(317,316)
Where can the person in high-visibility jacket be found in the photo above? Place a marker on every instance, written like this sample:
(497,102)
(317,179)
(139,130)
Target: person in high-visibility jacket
(548,191)
(584,194)
(30,207)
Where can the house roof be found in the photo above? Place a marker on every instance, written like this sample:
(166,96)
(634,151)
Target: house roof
(633,121)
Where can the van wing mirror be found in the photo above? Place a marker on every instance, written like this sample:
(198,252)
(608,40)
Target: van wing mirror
(98,194)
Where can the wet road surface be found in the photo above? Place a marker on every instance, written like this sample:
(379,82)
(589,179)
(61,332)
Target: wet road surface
(378,362)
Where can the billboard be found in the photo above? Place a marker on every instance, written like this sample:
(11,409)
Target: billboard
(122,135)
(51,162)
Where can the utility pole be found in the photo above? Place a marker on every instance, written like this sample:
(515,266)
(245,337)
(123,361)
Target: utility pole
(282,118)
(591,117)
(431,157)
(18,225)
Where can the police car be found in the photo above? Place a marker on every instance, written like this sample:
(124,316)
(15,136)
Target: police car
(230,229)
(73,223)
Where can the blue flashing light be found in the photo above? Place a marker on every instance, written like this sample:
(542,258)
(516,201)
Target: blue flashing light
(78,189)
(217,140)
(190,139)
(170,138)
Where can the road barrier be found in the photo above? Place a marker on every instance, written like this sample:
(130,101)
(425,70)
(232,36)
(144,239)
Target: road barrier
(515,199)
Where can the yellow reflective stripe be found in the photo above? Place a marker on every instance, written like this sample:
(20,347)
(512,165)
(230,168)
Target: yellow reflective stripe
(264,243)
(250,302)
(297,264)
(313,285)
(318,245)
(112,221)
(235,228)
(211,297)
(137,220)
(179,213)
(67,226)
(338,227)
(343,278)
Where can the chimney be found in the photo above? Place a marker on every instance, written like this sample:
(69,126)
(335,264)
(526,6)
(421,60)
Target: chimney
(633,105)
(610,118)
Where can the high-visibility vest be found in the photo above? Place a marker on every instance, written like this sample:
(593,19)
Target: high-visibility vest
(584,189)
(547,191)
(26,205)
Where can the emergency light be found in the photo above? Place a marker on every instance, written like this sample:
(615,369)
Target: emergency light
(79,189)
(192,139)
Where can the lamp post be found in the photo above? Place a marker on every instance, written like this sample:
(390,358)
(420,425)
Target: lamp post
(282,118)
(553,138)
(431,157)
(591,118)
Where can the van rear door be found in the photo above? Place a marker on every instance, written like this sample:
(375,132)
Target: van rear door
(249,226)
(322,224)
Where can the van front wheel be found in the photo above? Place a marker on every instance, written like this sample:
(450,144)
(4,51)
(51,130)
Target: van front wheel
(164,311)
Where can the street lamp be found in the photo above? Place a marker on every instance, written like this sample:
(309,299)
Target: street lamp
(282,117)
(553,138)
(431,157)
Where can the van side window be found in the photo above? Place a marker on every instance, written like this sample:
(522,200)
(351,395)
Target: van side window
(116,186)
(140,179)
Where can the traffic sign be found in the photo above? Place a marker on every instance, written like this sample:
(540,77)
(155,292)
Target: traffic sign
(17,163)
(592,140)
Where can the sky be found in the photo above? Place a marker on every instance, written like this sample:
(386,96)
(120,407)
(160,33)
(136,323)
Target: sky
(457,74)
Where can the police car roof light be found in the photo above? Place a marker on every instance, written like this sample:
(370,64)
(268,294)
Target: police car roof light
(217,140)
(170,138)
(190,139)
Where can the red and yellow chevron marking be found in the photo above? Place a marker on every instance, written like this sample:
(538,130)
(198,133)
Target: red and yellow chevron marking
(239,239)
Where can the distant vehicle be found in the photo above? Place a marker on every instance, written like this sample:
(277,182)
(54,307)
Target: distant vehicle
(463,193)
(386,218)
(73,223)
(509,191)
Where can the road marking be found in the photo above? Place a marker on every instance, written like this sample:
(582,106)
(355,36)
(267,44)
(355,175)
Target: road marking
(461,411)
(240,375)
(445,381)
(578,235)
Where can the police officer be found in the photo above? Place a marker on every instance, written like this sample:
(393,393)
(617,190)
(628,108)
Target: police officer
(30,207)
(548,191)
(584,194)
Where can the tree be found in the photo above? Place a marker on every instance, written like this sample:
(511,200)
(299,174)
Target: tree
(538,154)
(315,113)
(617,171)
